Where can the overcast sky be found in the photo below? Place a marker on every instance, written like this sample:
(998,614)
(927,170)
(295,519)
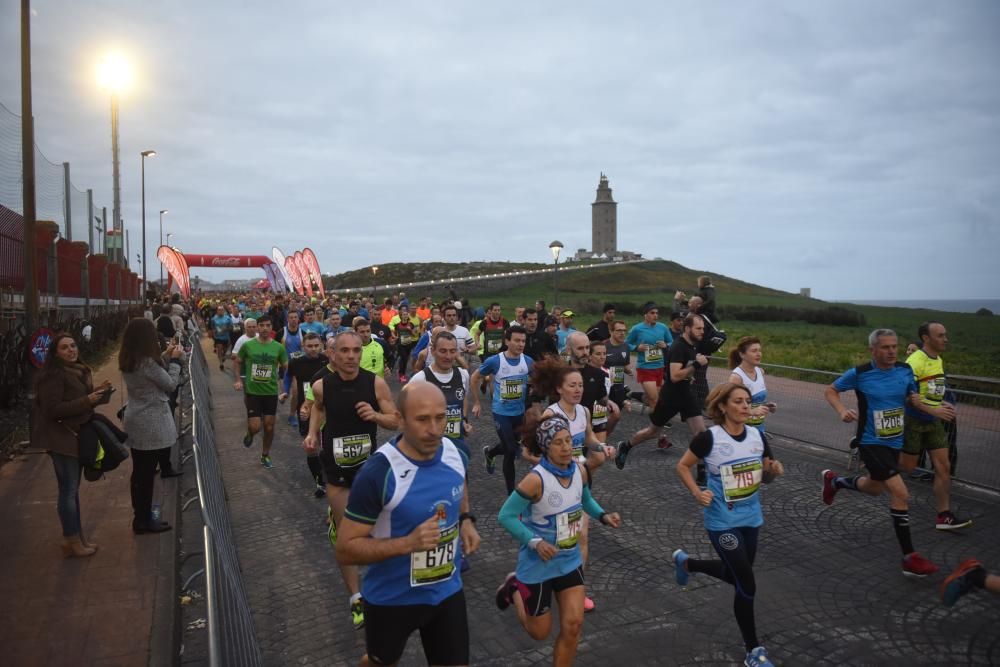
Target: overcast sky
(852,147)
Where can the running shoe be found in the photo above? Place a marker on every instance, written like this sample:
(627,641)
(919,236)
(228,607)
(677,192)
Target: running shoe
(915,565)
(664,442)
(505,594)
(623,447)
(248,439)
(293,421)
(757,658)
(320,491)
(588,605)
(491,463)
(948,521)
(265,461)
(681,573)
(958,582)
(358,613)
(829,490)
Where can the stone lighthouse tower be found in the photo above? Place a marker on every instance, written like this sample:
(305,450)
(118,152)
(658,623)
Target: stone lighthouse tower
(604,220)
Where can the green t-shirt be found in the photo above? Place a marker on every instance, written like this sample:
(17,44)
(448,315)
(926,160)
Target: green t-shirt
(260,363)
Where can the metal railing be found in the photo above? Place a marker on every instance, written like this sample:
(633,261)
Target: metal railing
(231,636)
(804,415)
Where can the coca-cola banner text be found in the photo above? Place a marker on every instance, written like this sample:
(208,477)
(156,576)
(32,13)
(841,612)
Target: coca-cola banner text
(228,261)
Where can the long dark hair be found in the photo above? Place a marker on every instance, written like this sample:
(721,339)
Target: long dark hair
(139,341)
(548,375)
(52,360)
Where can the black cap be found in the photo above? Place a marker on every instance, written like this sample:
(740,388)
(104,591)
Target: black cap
(607,307)
(551,321)
(676,315)
(648,307)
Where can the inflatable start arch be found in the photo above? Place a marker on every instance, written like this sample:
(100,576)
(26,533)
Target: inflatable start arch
(297,272)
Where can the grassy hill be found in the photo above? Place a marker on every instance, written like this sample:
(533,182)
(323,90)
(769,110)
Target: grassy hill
(974,347)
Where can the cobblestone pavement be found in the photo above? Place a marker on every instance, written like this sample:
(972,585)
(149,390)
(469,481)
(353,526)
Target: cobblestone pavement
(830,591)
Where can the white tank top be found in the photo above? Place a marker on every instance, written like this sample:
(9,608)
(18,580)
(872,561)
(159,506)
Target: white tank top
(577,428)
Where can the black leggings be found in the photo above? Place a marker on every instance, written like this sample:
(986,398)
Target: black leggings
(404,356)
(737,547)
(509,445)
(143,473)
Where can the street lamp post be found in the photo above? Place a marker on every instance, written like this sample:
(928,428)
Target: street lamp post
(555,248)
(374,274)
(169,234)
(145,285)
(162,211)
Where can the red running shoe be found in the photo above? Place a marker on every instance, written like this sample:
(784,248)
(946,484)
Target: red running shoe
(915,565)
(829,490)
(664,442)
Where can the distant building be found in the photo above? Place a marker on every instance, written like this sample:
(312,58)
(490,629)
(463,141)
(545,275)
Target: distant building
(604,229)
(604,220)
(806,292)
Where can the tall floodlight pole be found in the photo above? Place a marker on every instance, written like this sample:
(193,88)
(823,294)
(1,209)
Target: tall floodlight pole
(145,285)
(162,211)
(113,74)
(555,247)
(28,195)
(374,292)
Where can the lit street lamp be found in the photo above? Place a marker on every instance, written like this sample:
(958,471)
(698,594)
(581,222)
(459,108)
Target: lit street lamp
(374,273)
(145,285)
(555,248)
(168,241)
(162,211)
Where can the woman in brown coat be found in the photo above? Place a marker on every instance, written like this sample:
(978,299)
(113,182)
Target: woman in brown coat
(65,398)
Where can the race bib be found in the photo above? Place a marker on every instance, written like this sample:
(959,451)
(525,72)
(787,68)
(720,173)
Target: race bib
(654,354)
(351,450)
(453,427)
(888,423)
(493,346)
(437,564)
(511,390)
(579,454)
(306,388)
(568,527)
(296,355)
(599,415)
(261,372)
(617,374)
(758,420)
(935,390)
(405,339)
(741,480)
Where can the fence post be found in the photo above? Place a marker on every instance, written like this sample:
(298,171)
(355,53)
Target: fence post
(104,231)
(53,259)
(68,202)
(105,281)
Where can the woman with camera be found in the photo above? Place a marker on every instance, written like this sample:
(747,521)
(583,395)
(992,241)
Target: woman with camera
(151,378)
(65,398)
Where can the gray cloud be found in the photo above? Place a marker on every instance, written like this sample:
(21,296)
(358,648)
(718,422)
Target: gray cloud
(836,146)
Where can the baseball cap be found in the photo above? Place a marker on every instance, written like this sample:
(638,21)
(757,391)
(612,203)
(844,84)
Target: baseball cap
(568,313)
(676,315)
(607,307)
(551,321)
(648,307)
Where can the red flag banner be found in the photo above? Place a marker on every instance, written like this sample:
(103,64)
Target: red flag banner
(300,264)
(313,265)
(176,267)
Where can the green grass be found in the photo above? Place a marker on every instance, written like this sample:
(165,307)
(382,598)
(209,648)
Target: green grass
(974,340)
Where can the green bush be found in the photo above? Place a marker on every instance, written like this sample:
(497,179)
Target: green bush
(832,315)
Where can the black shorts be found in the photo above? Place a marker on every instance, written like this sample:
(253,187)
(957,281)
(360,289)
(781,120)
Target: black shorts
(539,600)
(444,631)
(224,342)
(335,475)
(618,394)
(882,462)
(672,402)
(260,406)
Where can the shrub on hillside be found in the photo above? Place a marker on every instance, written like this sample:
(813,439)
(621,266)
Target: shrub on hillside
(832,315)
(984,312)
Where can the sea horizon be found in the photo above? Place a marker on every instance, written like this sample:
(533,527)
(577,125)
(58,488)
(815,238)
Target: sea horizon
(945,305)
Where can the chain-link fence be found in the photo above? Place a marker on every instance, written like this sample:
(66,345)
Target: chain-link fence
(804,415)
(231,636)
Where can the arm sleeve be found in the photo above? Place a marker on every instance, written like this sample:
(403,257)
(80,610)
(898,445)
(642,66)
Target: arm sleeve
(669,337)
(631,339)
(163,380)
(847,381)
(368,490)
(53,405)
(767,447)
(591,506)
(421,344)
(701,444)
(514,507)
(490,366)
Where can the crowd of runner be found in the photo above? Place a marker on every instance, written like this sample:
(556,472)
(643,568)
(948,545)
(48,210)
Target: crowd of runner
(557,393)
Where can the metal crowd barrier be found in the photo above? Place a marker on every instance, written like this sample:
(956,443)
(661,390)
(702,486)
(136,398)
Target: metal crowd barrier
(804,415)
(231,636)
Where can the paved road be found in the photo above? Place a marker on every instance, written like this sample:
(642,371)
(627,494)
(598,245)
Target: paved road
(830,588)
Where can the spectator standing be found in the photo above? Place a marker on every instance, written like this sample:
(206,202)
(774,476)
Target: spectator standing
(151,378)
(706,290)
(65,398)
